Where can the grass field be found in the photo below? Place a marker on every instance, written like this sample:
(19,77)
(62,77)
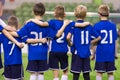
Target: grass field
(49,75)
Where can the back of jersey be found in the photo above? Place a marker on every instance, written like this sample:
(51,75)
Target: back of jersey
(37,51)
(106,47)
(58,44)
(82,39)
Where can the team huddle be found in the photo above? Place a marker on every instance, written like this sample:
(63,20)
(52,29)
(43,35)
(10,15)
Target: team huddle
(48,43)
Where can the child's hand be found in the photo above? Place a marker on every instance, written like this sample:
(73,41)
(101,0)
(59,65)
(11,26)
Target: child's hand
(9,28)
(44,40)
(66,22)
(92,57)
(20,45)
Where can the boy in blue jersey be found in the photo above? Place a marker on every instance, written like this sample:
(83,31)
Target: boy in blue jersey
(2,26)
(37,47)
(81,45)
(58,47)
(12,54)
(106,48)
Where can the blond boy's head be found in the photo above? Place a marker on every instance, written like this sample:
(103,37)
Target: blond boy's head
(59,11)
(103,10)
(80,11)
(13,21)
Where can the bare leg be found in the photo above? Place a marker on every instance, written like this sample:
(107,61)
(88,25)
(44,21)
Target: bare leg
(110,76)
(56,74)
(99,76)
(65,75)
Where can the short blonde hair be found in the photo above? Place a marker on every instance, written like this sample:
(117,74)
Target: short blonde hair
(80,11)
(103,10)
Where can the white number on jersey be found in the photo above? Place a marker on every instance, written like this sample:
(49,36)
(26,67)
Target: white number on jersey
(59,40)
(37,36)
(13,46)
(84,40)
(104,40)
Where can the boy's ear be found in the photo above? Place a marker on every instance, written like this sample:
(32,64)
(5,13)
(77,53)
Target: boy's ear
(64,14)
(54,14)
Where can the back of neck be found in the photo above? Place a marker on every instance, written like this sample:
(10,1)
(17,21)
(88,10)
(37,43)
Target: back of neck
(38,17)
(103,18)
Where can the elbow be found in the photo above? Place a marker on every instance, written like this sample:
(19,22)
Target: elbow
(99,38)
(58,35)
(27,41)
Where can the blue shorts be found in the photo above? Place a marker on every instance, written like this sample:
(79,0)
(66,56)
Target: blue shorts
(105,67)
(13,71)
(80,64)
(37,66)
(0,62)
(56,59)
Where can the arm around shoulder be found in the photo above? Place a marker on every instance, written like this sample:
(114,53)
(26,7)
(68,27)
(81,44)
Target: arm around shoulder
(45,24)
(84,24)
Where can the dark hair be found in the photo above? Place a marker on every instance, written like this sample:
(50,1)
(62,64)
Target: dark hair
(39,9)
(13,21)
(59,11)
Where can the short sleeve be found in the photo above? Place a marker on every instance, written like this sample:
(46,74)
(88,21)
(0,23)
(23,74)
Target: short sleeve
(24,39)
(94,33)
(72,24)
(1,37)
(1,28)
(23,31)
(52,31)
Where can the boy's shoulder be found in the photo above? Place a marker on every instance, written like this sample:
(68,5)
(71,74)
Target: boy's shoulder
(106,21)
(29,24)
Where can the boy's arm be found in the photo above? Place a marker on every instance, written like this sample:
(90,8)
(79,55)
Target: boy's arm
(69,39)
(94,43)
(61,30)
(33,41)
(95,40)
(45,24)
(5,26)
(84,24)
(12,38)
(13,33)
(93,52)
(116,56)
(9,28)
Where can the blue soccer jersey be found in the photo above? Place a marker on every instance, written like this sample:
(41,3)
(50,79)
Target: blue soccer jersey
(36,51)
(105,50)
(82,39)
(58,45)
(1,28)
(12,53)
